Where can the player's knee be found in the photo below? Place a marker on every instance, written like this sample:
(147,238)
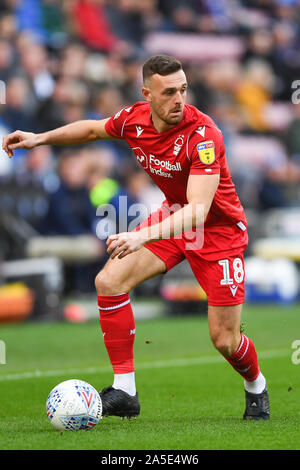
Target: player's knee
(103,283)
(108,283)
(226,343)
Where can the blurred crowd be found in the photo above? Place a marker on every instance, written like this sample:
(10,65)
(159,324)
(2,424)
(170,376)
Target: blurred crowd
(67,60)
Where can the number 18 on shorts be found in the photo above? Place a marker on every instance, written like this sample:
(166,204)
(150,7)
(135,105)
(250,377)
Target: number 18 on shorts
(233,275)
(222,280)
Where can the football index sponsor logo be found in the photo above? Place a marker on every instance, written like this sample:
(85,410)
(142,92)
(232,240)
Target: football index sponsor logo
(164,165)
(155,165)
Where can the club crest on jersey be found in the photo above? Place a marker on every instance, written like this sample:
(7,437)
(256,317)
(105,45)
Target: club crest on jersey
(178,144)
(206,152)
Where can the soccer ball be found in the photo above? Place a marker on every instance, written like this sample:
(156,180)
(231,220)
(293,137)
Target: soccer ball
(73,405)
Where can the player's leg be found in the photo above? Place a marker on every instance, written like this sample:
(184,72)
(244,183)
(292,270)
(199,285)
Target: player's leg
(239,351)
(223,282)
(113,284)
(224,327)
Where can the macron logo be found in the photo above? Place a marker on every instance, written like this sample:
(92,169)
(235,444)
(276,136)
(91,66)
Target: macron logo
(233,289)
(201,131)
(139,130)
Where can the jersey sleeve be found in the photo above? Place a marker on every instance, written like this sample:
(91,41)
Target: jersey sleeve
(115,127)
(205,152)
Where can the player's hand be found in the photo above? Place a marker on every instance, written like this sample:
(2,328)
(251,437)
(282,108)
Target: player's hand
(122,244)
(18,139)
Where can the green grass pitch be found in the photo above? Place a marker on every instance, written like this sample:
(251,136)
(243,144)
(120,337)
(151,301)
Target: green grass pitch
(190,396)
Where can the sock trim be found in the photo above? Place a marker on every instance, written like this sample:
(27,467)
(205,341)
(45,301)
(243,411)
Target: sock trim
(115,306)
(245,349)
(115,295)
(241,344)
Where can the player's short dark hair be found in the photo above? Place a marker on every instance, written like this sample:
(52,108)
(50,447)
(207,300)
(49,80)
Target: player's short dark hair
(161,64)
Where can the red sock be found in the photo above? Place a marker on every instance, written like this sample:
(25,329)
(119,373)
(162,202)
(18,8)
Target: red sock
(244,360)
(118,328)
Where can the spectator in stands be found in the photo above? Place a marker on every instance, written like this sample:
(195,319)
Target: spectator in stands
(254,93)
(132,82)
(7,57)
(34,62)
(108,100)
(71,213)
(72,61)
(92,25)
(8,25)
(70,210)
(19,110)
(39,167)
(51,112)
(286,61)
(292,137)
(69,103)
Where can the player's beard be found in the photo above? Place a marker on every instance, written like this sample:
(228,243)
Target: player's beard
(175,117)
(171,118)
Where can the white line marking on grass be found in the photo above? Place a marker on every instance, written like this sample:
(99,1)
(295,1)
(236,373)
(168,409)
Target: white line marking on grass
(142,366)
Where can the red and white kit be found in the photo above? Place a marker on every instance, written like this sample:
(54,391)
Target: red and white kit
(193,147)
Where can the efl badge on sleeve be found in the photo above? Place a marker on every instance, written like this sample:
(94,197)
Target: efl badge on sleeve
(206,152)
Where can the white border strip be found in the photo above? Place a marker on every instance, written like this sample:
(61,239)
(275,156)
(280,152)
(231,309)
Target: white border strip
(181,362)
(245,349)
(115,306)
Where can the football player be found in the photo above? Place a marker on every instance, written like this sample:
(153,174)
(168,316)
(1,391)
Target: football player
(201,220)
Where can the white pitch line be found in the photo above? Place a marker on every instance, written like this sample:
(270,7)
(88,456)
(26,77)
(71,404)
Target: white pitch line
(142,366)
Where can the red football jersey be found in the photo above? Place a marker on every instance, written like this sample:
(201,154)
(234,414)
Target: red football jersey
(194,146)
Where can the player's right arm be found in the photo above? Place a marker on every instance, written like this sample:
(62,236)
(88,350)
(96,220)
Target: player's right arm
(79,132)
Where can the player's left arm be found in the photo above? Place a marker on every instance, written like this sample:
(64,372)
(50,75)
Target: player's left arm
(200,193)
(201,190)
